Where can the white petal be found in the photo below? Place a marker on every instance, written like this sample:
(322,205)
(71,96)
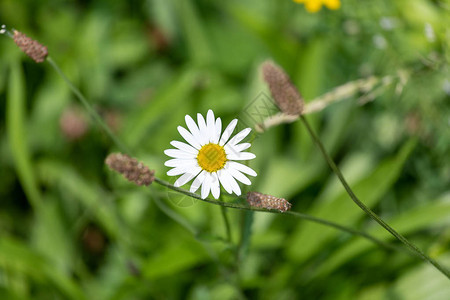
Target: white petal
(179,162)
(185,178)
(175,153)
(239,136)
(242,147)
(210,125)
(204,137)
(239,176)
(227,132)
(241,167)
(206,186)
(201,122)
(241,156)
(185,147)
(198,182)
(232,182)
(217,133)
(229,150)
(215,186)
(235,149)
(223,180)
(192,127)
(176,171)
(181,170)
(188,137)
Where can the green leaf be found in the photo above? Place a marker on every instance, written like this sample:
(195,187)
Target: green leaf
(17,137)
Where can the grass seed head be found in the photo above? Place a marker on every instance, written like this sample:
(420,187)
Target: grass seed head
(32,48)
(260,200)
(132,169)
(285,94)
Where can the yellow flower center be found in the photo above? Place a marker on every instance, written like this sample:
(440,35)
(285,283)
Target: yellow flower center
(212,157)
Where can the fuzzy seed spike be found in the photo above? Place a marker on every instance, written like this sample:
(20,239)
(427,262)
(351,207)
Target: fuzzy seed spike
(132,169)
(268,201)
(285,94)
(32,48)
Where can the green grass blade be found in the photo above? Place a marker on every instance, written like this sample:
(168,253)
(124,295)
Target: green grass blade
(16,256)
(194,33)
(17,136)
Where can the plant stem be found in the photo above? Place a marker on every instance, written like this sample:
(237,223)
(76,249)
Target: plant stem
(89,108)
(366,209)
(294,214)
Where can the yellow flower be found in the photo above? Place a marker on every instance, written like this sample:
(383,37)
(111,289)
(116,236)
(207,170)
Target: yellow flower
(315,5)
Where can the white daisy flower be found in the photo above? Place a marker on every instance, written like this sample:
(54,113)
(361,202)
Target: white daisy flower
(210,156)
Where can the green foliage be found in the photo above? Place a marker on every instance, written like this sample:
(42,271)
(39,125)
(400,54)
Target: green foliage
(71,229)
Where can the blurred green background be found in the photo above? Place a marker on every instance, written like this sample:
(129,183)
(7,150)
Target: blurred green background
(71,229)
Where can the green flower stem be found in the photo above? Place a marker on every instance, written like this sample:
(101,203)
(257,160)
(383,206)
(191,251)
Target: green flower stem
(366,209)
(124,149)
(291,213)
(88,107)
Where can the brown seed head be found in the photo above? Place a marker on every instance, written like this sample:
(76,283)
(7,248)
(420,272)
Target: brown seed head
(130,168)
(268,201)
(32,48)
(285,94)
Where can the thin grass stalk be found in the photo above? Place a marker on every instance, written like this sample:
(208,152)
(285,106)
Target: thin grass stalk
(366,209)
(291,213)
(89,108)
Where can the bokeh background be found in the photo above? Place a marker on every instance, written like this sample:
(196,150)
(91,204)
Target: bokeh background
(72,229)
